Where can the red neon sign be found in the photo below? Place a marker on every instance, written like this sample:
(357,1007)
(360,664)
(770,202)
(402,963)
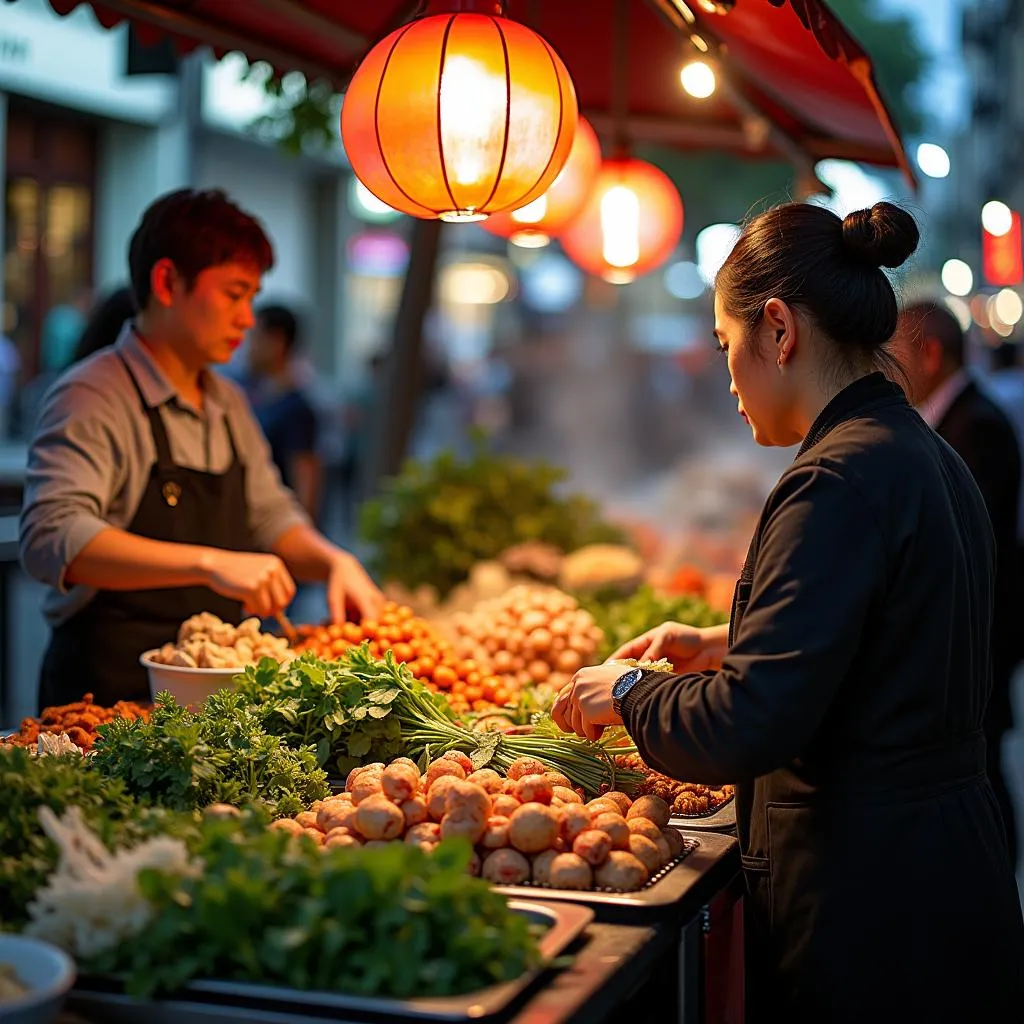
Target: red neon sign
(1003,255)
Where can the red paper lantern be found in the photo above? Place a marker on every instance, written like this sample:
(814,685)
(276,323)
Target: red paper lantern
(630,225)
(459,115)
(534,225)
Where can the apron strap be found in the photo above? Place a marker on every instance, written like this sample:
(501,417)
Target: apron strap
(156,423)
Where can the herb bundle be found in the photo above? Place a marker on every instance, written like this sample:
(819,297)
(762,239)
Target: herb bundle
(222,754)
(341,707)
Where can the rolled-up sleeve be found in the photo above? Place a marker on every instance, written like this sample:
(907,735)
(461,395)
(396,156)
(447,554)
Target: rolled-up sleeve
(273,509)
(76,464)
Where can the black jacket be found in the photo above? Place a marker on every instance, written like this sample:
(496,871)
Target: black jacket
(849,712)
(982,435)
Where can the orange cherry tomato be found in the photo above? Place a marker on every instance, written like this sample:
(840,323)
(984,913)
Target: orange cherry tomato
(402,652)
(445,677)
(474,693)
(427,664)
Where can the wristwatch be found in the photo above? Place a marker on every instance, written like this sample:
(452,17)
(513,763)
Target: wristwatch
(623,685)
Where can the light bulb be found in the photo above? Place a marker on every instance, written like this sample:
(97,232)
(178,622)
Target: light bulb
(620,227)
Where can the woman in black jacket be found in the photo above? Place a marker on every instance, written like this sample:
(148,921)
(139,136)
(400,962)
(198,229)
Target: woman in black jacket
(847,700)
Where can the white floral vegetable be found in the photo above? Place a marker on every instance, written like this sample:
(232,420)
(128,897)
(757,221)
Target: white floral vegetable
(92,901)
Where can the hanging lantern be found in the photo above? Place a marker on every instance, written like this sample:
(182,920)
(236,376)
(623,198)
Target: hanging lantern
(459,114)
(630,225)
(534,225)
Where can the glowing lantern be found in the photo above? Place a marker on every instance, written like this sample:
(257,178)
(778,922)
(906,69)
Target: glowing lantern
(459,115)
(630,225)
(534,225)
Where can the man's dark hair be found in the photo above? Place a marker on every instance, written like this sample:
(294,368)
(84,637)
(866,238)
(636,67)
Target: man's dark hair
(281,321)
(934,320)
(195,230)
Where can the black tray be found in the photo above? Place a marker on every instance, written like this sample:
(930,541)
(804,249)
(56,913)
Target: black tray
(222,1001)
(676,894)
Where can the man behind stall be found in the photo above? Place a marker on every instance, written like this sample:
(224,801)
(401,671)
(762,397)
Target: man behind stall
(150,494)
(932,349)
(285,414)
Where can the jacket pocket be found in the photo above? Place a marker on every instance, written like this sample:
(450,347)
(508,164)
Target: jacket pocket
(757,875)
(795,873)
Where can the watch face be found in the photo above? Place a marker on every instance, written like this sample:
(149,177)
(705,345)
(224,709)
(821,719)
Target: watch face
(625,683)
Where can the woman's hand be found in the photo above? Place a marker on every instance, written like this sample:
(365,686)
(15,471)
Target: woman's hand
(584,705)
(688,648)
(349,585)
(260,582)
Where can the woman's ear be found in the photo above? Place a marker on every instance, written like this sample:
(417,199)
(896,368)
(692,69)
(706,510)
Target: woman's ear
(781,325)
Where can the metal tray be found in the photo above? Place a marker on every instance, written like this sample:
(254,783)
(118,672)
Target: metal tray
(676,893)
(203,1001)
(722,820)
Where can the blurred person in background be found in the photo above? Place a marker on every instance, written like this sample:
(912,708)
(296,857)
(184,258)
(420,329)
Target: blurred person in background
(105,323)
(62,329)
(284,412)
(846,698)
(10,367)
(932,348)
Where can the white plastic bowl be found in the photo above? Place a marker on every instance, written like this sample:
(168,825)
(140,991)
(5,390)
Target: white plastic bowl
(46,970)
(186,685)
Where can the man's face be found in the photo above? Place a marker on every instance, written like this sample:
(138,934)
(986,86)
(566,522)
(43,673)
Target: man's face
(212,318)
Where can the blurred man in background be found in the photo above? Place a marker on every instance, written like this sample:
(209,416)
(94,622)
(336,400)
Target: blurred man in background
(285,414)
(931,347)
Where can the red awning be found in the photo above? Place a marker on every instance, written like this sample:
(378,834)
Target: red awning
(796,81)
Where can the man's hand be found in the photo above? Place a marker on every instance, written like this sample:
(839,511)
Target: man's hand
(688,649)
(349,585)
(260,582)
(585,704)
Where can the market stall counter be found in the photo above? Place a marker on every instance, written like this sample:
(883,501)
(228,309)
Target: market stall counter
(684,962)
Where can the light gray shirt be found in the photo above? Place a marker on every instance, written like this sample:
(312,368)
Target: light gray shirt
(93,452)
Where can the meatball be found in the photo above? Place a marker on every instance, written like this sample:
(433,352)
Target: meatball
(533,827)
(495,835)
(621,871)
(377,817)
(535,789)
(575,819)
(616,827)
(400,782)
(506,867)
(570,871)
(653,808)
(593,846)
(522,766)
(540,867)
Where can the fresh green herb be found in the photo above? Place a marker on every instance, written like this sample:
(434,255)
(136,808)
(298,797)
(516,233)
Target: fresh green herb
(436,520)
(342,709)
(623,618)
(388,922)
(223,754)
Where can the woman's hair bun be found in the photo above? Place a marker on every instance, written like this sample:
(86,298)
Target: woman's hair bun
(884,236)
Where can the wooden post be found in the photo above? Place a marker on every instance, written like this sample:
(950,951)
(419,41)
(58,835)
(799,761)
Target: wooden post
(402,378)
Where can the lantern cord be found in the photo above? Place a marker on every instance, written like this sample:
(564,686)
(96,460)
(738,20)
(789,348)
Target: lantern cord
(620,78)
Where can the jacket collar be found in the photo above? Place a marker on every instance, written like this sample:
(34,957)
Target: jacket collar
(862,395)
